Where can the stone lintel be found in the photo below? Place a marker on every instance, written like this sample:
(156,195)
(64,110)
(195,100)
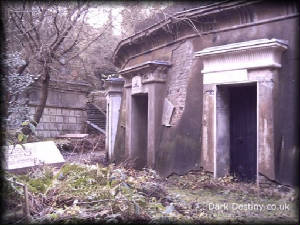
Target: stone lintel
(146,67)
(244,55)
(149,72)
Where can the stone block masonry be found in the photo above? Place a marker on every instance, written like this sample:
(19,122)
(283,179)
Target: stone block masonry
(65,110)
(57,121)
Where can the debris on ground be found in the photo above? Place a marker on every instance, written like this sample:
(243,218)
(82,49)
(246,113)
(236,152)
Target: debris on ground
(117,194)
(85,188)
(94,192)
(228,200)
(87,150)
(88,143)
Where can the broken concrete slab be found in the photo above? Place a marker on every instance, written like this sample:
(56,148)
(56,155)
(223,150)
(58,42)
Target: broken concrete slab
(32,155)
(73,136)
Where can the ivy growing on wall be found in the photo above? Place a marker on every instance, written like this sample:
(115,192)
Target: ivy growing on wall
(18,83)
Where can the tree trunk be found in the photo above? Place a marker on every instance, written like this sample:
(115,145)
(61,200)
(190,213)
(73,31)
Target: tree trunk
(43,100)
(4,98)
(22,68)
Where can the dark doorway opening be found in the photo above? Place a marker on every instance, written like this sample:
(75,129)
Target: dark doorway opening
(243,132)
(139,130)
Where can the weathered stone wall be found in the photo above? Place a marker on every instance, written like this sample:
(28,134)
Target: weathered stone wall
(57,121)
(65,110)
(178,76)
(180,145)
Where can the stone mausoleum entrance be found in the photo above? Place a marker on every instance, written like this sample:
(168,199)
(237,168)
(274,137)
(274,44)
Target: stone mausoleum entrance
(140,128)
(236,111)
(240,83)
(144,97)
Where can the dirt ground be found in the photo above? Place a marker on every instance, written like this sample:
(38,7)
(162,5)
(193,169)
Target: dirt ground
(226,200)
(86,188)
(89,150)
(90,158)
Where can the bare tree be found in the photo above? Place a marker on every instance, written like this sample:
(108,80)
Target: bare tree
(136,13)
(50,36)
(96,61)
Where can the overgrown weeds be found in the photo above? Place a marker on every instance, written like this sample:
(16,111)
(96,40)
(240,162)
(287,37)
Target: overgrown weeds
(118,194)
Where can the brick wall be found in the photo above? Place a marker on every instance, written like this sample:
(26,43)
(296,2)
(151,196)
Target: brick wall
(58,121)
(178,76)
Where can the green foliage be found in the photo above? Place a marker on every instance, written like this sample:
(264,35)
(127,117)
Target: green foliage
(22,134)
(38,181)
(69,169)
(114,194)
(12,191)
(39,185)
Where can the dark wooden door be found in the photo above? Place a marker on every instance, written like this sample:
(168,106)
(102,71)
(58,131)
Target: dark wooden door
(243,149)
(139,130)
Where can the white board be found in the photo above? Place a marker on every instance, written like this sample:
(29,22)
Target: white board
(33,154)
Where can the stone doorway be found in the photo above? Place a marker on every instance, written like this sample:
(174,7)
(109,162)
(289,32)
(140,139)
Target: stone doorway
(144,98)
(236,131)
(140,129)
(243,132)
(240,83)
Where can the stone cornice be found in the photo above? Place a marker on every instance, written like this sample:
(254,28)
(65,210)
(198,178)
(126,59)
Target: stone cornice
(244,55)
(254,44)
(143,68)
(113,86)
(65,86)
(149,72)
(187,14)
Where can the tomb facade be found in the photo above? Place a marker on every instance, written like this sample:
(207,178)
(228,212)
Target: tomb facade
(213,87)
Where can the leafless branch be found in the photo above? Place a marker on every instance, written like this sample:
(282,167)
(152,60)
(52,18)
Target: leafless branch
(75,42)
(78,13)
(88,45)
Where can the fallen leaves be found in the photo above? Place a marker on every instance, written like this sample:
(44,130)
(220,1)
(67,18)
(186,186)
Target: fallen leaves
(118,194)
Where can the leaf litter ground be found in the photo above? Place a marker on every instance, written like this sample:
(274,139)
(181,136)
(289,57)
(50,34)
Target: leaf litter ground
(97,193)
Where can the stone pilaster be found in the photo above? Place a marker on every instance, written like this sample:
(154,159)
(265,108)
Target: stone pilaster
(114,87)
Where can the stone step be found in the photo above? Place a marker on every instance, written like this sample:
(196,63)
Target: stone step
(96,117)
